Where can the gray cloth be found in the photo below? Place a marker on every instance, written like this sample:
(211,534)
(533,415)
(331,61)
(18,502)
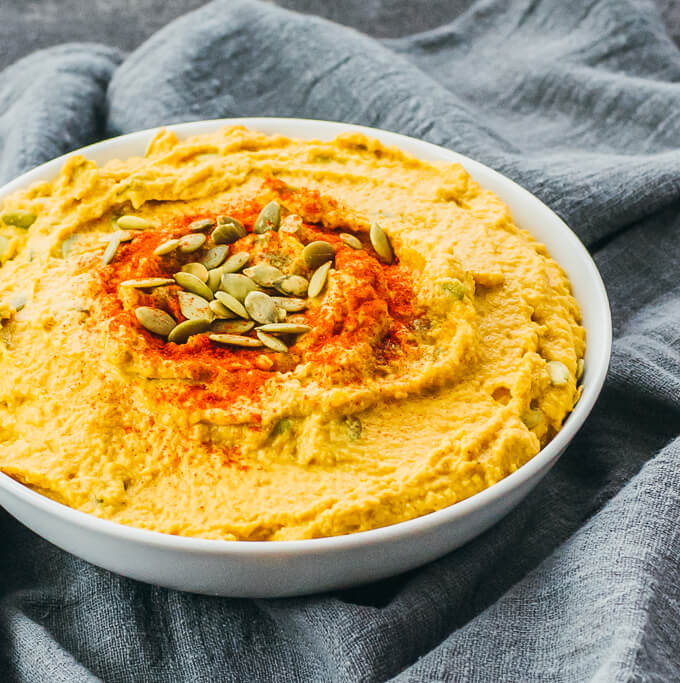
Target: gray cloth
(579,103)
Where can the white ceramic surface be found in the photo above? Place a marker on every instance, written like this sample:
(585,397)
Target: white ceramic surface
(270,569)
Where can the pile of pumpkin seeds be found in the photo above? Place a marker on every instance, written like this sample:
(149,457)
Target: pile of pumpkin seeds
(226,298)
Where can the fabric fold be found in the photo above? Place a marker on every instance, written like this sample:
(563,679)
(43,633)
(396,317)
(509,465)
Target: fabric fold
(53,102)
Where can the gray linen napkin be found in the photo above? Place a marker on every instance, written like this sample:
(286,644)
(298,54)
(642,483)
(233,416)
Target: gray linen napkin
(579,103)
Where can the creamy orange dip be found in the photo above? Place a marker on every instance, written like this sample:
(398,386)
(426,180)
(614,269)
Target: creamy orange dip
(242,336)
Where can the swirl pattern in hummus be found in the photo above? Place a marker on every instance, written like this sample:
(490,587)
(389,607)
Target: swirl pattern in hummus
(420,382)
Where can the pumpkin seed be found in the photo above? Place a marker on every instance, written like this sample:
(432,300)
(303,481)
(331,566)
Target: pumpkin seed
(353,424)
(220,310)
(232,326)
(194,307)
(4,243)
(123,236)
(264,274)
(230,220)
(133,223)
(295,285)
(282,426)
(558,373)
(200,225)
(290,304)
(237,285)
(236,261)
(271,342)
(193,284)
(580,365)
(197,269)
(214,278)
(269,219)
(166,247)
(228,230)
(455,288)
(381,243)
(111,249)
(19,219)
(155,320)
(186,329)
(351,240)
(532,418)
(317,253)
(234,340)
(191,243)
(285,328)
(262,308)
(18,301)
(147,283)
(215,256)
(318,280)
(232,303)
(68,243)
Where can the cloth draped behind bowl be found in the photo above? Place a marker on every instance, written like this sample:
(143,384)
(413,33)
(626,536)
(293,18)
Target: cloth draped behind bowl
(574,101)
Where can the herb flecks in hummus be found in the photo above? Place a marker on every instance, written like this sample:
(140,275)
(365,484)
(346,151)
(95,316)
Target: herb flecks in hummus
(242,336)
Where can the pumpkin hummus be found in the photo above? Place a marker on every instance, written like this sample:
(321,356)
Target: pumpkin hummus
(176,356)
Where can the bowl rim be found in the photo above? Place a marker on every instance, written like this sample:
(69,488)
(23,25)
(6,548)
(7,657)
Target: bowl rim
(596,372)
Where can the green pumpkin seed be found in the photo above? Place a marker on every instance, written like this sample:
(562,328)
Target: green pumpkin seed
(269,219)
(220,310)
(148,283)
(186,329)
(200,225)
(133,223)
(194,307)
(166,247)
(532,418)
(262,308)
(455,288)
(191,243)
(271,342)
(289,304)
(111,249)
(237,285)
(19,219)
(155,320)
(284,328)
(236,261)
(230,220)
(68,243)
(295,285)
(197,269)
(214,278)
(4,244)
(18,301)
(228,230)
(381,243)
(282,426)
(232,303)
(123,236)
(317,253)
(354,427)
(264,274)
(351,240)
(232,326)
(215,256)
(318,280)
(234,340)
(193,284)
(558,373)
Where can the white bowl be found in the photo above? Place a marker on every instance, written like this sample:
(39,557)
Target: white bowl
(282,568)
